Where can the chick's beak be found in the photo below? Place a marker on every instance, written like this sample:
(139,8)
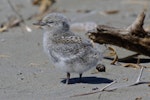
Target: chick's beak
(40,23)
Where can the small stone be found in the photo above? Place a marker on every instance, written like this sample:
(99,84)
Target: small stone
(19,74)
(22,78)
(101,68)
(95,88)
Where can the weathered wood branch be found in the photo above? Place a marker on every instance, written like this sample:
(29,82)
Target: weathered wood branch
(133,38)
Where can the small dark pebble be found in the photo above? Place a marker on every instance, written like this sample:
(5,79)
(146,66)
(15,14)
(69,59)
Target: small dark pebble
(83,11)
(22,78)
(95,88)
(19,74)
(38,44)
(101,68)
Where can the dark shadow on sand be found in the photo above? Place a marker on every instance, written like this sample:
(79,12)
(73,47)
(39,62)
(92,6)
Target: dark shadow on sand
(88,80)
(131,60)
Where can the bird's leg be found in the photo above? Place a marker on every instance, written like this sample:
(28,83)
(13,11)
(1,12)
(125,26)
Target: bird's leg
(80,77)
(68,77)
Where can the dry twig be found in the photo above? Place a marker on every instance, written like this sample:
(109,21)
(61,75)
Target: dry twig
(134,38)
(101,90)
(21,20)
(3,28)
(4,56)
(137,82)
(113,53)
(132,65)
(44,4)
(12,22)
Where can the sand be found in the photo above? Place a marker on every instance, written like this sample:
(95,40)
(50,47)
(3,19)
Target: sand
(27,74)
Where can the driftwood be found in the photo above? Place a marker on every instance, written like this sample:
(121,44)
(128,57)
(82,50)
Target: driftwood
(133,38)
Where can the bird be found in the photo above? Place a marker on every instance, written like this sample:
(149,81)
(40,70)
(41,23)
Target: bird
(68,51)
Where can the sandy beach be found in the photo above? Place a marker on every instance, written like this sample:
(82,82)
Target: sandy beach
(27,74)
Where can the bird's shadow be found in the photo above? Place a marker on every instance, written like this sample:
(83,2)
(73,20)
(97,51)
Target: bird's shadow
(88,80)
